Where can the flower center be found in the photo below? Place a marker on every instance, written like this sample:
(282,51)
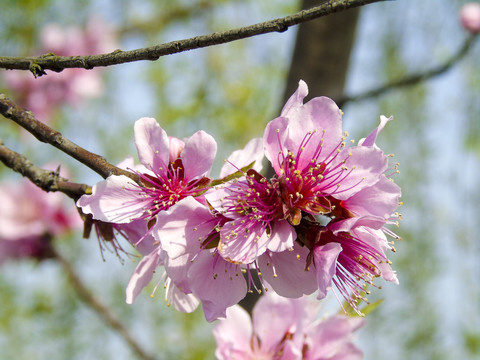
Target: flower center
(255,199)
(305,185)
(165,188)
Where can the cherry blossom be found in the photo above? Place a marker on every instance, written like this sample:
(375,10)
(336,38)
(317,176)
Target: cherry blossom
(285,329)
(166,177)
(29,218)
(308,152)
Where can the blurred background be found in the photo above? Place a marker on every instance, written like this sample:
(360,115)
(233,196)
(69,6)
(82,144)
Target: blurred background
(232,91)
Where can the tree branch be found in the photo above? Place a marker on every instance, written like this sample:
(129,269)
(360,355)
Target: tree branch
(412,79)
(45,179)
(46,134)
(38,64)
(102,310)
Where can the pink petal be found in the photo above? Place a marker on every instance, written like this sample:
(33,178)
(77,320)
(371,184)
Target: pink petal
(233,335)
(365,165)
(152,144)
(177,270)
(380,199)
(282,237)
(292,351)
(325,259)
(182,302)
(346,225)
(198,155)
(219,284)
(278,313)
(136,234)
(332,338)
(243,247)
(378,240)
(274,137)
(323,118)
(176,146)
(142,275)
(291,280)
(179,228)
(115,200)
(370,139)
(296,99)
(253,151)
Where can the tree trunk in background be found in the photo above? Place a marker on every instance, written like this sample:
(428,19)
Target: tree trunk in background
(322,53)
(321,58)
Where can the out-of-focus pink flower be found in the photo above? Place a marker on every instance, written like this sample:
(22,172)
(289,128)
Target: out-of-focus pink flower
(285,329)
(45,94)
(470,17)
(29,217)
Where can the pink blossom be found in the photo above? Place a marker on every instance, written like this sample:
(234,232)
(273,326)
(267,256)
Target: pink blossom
(153,259)
(29,217)
(373,206)
(170,170)
(308,152)
(193,265)
(361,260)
(285,329)
(46,94)
(257,223)
(332,339)
(32,247)
(188,233)
(470,17)
(287,272)
(118,199)
(26,210)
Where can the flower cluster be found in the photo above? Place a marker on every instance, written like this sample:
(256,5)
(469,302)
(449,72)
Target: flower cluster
(29,218)
(45,94)
(298,334)
(319,223)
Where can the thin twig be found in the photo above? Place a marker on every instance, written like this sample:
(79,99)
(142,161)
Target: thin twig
(413,79)
(45,179)
(46,134)
(101,309)
(38,64)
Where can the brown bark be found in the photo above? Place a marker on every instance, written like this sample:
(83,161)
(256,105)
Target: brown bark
(322,53)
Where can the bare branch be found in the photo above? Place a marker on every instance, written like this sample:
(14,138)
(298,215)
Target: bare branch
(38,64)
(45,179)
(413,79)
(46,134)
